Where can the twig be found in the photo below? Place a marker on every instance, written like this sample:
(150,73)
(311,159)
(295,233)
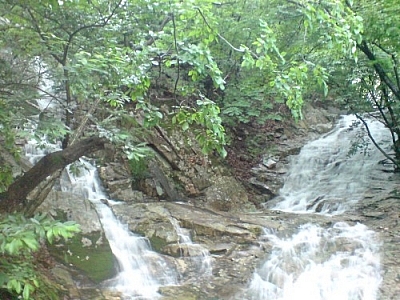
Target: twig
(177,58)
(220,36)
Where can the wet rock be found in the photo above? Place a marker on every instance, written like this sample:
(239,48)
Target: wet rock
(113,172)
(184,250)
(112,295)
(151,220)
(163,183)
(66,281)
(227,194)
(262,187)
(92,258)
(205,223)
(269,162)
(148,187)
(268,177)
(322,128)
(374,214)
(74,286)
(222,248)
(128,195)
(181,293)
(119,184)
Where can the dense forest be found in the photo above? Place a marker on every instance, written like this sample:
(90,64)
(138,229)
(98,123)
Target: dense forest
(117,69)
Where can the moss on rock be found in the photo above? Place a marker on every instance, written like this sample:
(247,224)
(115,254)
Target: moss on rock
(157,243)
(89,253)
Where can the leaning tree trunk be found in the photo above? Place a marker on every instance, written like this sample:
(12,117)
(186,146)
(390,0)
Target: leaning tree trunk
(40,193)
(15,198)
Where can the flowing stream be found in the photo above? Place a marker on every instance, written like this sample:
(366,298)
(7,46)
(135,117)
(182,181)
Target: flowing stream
(315,263)
(198,255)
(325,177)
(141,270)
(341,262)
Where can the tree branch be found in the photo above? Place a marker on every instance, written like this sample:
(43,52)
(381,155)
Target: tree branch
(220,36)
(379,69)
(14,199)
(95,25)
(374,142)
(152,39)
(395,62)
(178,65)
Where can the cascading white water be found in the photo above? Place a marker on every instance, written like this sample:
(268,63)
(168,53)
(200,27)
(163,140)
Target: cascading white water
(337,263)
(141,271)
(35,149)
(199,255)
(325,178)
(341,262)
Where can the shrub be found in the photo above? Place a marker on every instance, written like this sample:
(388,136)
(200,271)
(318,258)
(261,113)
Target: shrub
(19,238)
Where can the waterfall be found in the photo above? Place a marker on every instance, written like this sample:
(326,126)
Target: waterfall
(141,270)
(340,262)
(325,177)
(315,263)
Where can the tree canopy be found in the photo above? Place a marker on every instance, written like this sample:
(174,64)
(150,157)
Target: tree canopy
(98,64)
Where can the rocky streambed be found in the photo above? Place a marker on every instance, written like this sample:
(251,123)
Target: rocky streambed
(219,213)
(233,240)
(234,245)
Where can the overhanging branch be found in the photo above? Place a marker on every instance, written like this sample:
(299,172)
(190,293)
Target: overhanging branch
(15,197)
(363,46)
(374,142)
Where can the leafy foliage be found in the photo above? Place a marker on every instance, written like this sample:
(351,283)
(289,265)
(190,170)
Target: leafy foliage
(106,61)
(207,116)
(138,168)
(6,177)
(19,237)
(308,47)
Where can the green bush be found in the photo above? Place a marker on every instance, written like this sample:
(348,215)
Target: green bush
(138,168)
(19,238)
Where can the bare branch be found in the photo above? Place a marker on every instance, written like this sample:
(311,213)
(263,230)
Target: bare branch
(379,69)
(394,60)
(374,142)
(220,36)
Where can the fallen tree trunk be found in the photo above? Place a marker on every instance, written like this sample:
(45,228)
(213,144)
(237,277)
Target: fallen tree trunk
(15,198)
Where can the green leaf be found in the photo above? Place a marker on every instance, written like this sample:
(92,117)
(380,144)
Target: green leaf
(28,288)
(14,285)
(185,126)
(31,243)
(50,236)
(3,279)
